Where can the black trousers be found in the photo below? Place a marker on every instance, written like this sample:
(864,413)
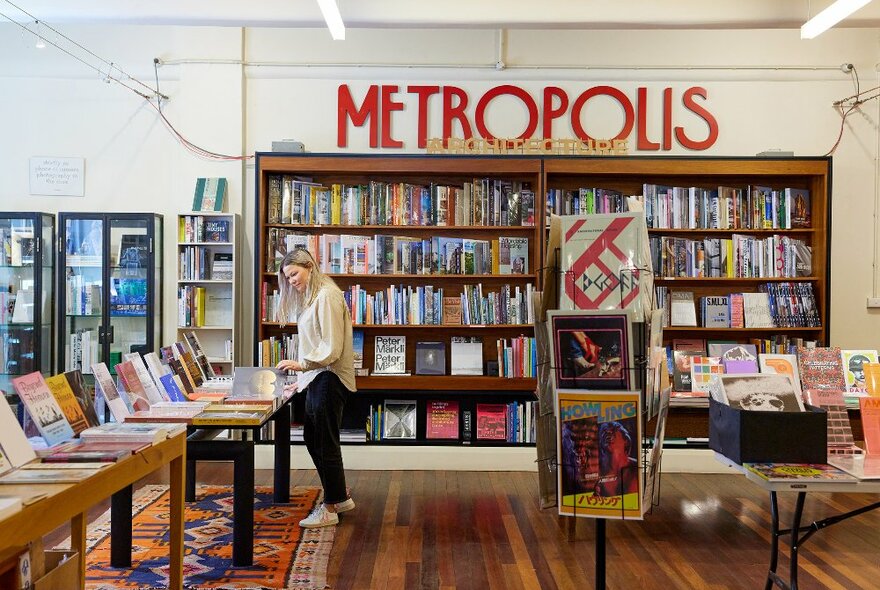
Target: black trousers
(325,400)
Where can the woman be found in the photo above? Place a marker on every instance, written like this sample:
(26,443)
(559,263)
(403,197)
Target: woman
(618,471)
(325,367)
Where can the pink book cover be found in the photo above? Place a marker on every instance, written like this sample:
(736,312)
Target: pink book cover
(736,310)
(133,386)
(492,421)
(821,368)
(442,420)
(870,408)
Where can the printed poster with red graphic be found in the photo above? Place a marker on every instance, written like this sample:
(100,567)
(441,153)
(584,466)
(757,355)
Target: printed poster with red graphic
(599,472)
(604,263)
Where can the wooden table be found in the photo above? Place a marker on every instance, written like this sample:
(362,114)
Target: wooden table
(71,502)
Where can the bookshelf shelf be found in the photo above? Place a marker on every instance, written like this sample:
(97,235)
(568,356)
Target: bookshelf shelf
(413,188)
(207,283)
(734,280)
(724,232)
(773,330)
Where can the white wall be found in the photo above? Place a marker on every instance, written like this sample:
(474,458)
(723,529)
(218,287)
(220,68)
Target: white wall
(767,89)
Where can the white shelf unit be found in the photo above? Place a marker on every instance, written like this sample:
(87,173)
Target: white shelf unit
(196,265)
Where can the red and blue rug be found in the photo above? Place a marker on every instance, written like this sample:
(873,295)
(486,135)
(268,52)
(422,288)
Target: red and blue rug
(286,557)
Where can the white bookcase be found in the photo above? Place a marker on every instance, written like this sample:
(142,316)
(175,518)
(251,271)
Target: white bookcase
(207,284)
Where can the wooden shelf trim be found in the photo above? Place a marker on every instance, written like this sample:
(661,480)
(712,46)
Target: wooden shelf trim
(459,383)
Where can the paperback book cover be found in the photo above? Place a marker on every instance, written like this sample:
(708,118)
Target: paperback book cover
(781,364)
(491,422)
(430,358)
(853,362)
(787,472)
(84,395)
(467,355)
(63,394)
(821,368)
(758,392)
(399,419)
(389,355)
(840,436)
(870,410)
(441,420)
(105,385)
(859,466)
(599,473)
(592,349)
(357,338)
(12,438)
(43,408)
(703,369)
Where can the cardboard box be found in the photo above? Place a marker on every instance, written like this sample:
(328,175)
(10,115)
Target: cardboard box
(62,571)
(768,437)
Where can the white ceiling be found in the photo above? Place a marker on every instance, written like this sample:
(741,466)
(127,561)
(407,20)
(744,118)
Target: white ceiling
(580,14)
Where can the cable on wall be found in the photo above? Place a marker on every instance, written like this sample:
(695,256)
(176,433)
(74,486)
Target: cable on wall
(846,106)
(111,72)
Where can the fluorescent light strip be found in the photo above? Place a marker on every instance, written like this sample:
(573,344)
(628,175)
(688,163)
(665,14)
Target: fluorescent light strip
(829,17)
(333,19)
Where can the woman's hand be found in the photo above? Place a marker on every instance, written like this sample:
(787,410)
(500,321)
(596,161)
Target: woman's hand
(289,366)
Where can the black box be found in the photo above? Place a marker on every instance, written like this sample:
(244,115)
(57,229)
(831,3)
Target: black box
(745,436)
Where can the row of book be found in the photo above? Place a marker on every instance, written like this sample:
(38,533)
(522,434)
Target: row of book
(482,202)
(391,254)
(203,264)
(734,257)
(17,307)
(17,245)
(17,350)
(752,207)
(191,301)
(775,305)
(512,422)
(198,228)
(585,201)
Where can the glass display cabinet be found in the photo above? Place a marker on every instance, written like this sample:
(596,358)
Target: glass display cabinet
(110,267)
(27,259)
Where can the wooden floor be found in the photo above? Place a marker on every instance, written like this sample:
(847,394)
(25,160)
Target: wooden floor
(442,529)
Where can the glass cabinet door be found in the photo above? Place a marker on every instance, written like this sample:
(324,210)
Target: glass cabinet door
(83,283)
(129,283)
(46,314)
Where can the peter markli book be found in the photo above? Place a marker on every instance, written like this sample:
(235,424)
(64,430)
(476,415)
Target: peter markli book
(390,355)
(605,263)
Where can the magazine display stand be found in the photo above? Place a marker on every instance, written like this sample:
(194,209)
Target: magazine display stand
(110,267)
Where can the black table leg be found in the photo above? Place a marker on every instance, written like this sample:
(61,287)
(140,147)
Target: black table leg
(774,540)
(120,528)
(190,488)
(600,554)
(281,492)
(795,539)
(243,507)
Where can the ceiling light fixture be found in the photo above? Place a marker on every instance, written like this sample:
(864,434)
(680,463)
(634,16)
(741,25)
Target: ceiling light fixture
(333,19)
(829,17)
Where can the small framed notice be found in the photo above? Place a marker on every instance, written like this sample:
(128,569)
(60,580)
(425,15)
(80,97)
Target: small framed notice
(62,177)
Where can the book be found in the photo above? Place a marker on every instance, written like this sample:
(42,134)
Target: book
(859,466)
(491,422)
(430,358)
(210,194)
(781,364)
(240,418)
(83,394)
(216,230)
(399,419)
(86,451)
(603,259)
(105,385)
(840,437)
(799,205)
(43,408)
(466,355)
(715,311)
(221,266)
(63,394)
(682,309)
(821,368)
(756,310)
(441,419)
(131,432)
(23,306)
(452,310)
(128,296)
(259,382)
(513,257)
(757,392)
(592,349)
(13,442)
(389,355)
(736,358)
(133,254)
(467,426)
(357,339)
(132,386)
(799,472)
(598,448)
(44,476)
(870,410)
(852,363)
(703,370)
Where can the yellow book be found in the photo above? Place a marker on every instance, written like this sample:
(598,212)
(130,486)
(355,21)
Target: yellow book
(229,419)
(200,306)
(336,204)
(872,378)
(63,394)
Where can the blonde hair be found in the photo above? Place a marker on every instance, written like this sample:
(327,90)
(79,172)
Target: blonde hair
(292,302)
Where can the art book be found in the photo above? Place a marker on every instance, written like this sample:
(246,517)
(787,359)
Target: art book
(441,419)
(12,438)
(105,385)
(258,382)
(467,355)
(599,473)
(840,436)
(389,355)
(852,362)
(399,419)
(757,392)
(859,466)
(798,202)
(210,194)
(63,394)
(513,257)
(43,408)
(357,338)
(430,358)
(703,369)
(134,253)
(491,422)
(821,368)
(592,349)
(83,394)
(131,383)
(605,263)
(781,364)
(736,358)
(798,472)
(870,409)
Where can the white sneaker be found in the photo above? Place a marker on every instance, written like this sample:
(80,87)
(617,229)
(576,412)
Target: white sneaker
(319,517)
(345,506)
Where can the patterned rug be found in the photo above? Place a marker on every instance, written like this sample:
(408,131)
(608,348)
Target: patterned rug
(285,556)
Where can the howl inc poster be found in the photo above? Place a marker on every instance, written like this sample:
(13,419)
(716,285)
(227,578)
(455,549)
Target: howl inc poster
(598,443)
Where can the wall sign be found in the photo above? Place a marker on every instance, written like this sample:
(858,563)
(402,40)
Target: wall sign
(60,177)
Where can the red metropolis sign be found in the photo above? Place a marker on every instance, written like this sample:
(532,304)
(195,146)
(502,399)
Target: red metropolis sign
(377,107)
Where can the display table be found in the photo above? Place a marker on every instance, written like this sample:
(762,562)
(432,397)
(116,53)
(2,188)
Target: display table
(798,534)
(60,503)
(241,453)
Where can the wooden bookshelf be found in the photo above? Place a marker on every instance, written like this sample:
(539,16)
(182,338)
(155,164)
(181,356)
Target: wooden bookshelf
(422,171)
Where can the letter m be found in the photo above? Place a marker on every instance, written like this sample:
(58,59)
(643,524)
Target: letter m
(346,109)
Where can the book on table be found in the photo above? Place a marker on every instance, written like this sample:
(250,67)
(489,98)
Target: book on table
(90,451)
(119,407)
(870,410)
(799,472)
(757,392)
(13,442)
(783,364)
(114,432)
(859,466)
(60,388)
(43,408)
(43,476)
